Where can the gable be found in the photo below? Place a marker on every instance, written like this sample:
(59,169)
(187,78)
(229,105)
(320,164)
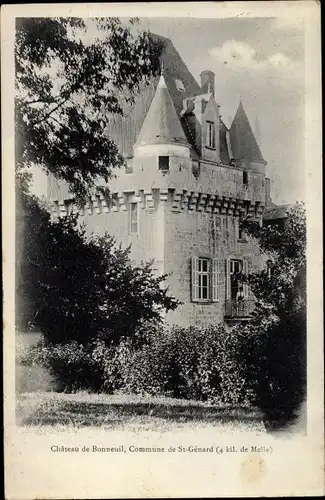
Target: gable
(211,111)
(124,130)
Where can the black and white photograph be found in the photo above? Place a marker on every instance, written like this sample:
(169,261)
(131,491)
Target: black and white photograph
(165,209)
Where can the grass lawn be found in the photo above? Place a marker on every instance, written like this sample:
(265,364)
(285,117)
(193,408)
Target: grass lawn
(129,413)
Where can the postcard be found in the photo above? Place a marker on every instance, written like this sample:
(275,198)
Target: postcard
(162,222)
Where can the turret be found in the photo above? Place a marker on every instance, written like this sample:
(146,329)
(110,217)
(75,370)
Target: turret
(161,147)
(243,145)
(161,131)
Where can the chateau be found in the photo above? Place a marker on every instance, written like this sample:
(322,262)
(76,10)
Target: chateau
(187,183)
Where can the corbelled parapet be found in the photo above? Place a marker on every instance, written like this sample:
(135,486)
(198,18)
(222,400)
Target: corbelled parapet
(176,200)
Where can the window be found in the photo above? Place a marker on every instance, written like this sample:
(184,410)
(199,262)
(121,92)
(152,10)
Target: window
(163,162)
(217,225)
(211,143)
(236,290)
(179,85)
(203,279)
(241,233)
(245,177)
(206,279)
(133,218)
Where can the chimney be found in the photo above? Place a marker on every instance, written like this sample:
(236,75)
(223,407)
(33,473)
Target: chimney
(207,82)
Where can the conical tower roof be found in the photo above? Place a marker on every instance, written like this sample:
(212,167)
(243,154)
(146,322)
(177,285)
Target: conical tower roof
(243,143)
(161,124)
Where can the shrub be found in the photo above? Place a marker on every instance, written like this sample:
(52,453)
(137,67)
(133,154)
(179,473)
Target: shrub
(278,358)
(281,371)
(204,364)
(71,364)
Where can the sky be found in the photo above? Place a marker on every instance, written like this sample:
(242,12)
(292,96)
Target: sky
(261,62)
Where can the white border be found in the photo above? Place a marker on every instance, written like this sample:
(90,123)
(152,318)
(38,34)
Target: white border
(296,466)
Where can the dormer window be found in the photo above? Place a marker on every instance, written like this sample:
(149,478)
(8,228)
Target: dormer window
(163,162)
(179,85)
(211,141)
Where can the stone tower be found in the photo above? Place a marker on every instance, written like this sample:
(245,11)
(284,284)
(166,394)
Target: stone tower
(187,182)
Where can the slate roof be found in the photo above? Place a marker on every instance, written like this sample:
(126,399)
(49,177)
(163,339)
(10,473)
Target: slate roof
(125,130)
(276,212)
(242,139)
(161,124)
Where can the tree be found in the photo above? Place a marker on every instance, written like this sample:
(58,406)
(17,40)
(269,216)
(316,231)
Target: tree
(68,88)
(278,327)
(81,288)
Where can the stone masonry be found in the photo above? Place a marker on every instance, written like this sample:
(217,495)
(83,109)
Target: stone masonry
(179,201)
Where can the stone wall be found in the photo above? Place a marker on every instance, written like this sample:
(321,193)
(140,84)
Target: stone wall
(181,215)
(146,244)
(201,234)
(143,174)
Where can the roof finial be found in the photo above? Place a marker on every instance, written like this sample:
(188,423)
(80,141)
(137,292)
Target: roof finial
(162,68)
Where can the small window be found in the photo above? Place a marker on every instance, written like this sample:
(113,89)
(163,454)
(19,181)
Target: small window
(133,218)
(217,225)
(245,177)
(241,233)
(163,162)
(179,85)
(211,142)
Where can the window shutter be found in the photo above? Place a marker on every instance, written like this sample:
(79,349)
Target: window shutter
(216,279)
(247,269)
(194,278)
(228,286)
(222,278)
